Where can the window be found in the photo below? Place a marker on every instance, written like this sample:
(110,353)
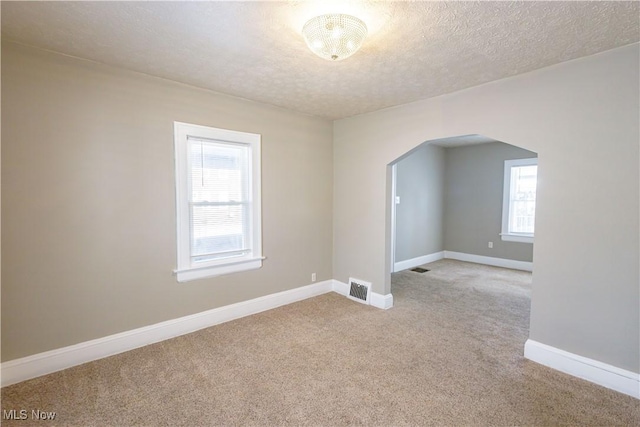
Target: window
(519,202)
(217,200)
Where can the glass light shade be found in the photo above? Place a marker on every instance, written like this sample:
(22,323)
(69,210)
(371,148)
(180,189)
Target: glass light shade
(334,36)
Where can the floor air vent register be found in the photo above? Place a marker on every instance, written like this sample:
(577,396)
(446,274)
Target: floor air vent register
(359,290)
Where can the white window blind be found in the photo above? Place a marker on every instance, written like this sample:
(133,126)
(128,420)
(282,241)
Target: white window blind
(218,198)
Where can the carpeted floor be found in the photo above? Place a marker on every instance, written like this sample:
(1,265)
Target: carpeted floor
(448,353)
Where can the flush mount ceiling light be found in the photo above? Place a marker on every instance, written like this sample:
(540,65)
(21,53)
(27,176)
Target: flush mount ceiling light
(334,36)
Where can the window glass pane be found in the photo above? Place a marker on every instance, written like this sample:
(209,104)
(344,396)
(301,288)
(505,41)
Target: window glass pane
(219,172)
(522,204)
(218,231)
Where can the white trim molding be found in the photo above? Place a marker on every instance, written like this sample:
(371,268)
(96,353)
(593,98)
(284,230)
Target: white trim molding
(414,262)
(384,302)
(516,238)
(340,287)
(26,368)
(496,262)
(15,371)
(608,376)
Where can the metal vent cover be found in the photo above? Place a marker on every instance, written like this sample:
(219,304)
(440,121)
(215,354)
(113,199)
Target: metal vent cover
(359,290)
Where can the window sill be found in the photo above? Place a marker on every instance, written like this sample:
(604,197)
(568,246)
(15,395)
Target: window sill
(218,270)
(516,238)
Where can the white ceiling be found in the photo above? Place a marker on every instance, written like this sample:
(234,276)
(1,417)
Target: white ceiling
(254,50)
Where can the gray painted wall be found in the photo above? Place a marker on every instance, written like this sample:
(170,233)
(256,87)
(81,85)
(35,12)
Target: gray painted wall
(88,200)
(582,117)
(474,179)
(420,185)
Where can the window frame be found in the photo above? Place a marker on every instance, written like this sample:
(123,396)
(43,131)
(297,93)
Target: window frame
(186,270)
(505,235)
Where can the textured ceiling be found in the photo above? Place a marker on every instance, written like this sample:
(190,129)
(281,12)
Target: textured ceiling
(254,50)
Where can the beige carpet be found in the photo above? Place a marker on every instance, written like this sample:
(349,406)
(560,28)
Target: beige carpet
(448,353)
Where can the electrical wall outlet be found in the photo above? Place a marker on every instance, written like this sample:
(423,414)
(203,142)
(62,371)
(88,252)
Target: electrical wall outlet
(313,277)
(490,245)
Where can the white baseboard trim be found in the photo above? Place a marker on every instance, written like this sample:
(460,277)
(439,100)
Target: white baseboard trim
(340,287)
(496,262)
(608,376)
(384,302)
(414,262)
(377,300)
(15,371)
